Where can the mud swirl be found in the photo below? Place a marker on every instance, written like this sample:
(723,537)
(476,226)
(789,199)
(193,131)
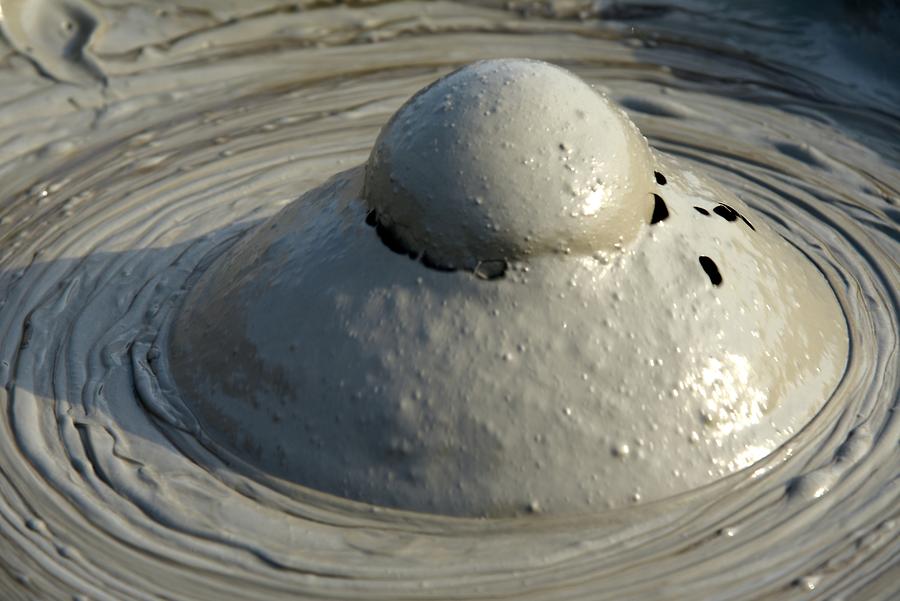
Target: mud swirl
(135,147)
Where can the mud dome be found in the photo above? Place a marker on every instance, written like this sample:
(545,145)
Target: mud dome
(505,160)
(565,366)
(141,144)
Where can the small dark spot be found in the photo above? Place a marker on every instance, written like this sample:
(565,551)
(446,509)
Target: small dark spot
(430,263)
(660,178)
(660,210)
(27,331)
(490,270)
(702,211)
(712,270)
(371,218)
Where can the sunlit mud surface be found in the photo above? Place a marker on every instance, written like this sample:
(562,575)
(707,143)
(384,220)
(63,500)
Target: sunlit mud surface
(138,143)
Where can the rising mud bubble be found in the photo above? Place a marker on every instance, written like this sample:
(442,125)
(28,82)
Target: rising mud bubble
(509,159)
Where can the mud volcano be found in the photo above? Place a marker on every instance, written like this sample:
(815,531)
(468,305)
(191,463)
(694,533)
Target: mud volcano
(514,306)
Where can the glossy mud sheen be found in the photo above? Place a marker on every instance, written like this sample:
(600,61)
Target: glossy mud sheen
(135,153)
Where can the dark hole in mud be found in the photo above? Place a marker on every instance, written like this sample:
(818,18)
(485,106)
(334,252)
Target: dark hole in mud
(711,269)
(660,178)
(729,214)
(485,270)
(726,213)
(490,270)
(660,210)
(430,263)
(393,241)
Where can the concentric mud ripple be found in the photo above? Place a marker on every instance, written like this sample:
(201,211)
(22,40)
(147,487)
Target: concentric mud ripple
(122,181)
